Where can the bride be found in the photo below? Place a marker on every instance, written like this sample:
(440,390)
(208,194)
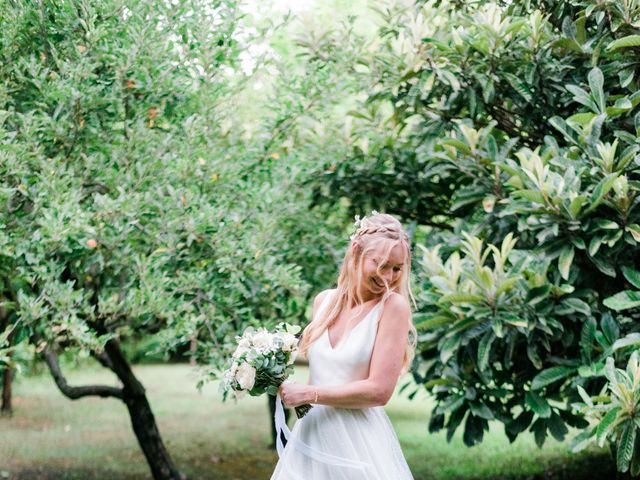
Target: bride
(357,345)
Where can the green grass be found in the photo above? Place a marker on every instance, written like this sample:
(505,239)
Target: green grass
(51,437)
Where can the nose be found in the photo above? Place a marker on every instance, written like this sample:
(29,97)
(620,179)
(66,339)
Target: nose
(387,276)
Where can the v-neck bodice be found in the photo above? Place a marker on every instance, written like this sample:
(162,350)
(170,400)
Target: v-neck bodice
(349,359)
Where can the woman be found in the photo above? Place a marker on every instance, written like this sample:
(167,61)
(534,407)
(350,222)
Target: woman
(357,345)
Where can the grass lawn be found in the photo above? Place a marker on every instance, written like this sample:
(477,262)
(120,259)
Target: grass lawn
(51,437)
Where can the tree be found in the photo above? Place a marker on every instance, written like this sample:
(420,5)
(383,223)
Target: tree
(137,204)
(121,198)
(509,132)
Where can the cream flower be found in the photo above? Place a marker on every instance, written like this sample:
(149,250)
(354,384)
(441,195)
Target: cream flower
(262,341)
(246,376)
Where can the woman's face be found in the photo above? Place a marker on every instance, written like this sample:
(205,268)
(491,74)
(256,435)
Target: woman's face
(378,274)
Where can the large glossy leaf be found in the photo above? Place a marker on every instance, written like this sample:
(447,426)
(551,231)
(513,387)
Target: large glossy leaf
(625,446)
(538,404)
(632,275)
(623,300)
(610,328)
(602,429)
(564,262)
(625,42)
(557,427)
(549,376)
(631,339)
(596,83)
(484,349)
(601,189)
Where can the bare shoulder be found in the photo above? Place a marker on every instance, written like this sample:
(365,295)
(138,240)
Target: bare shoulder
(396,308)
(397,303)
(321,296)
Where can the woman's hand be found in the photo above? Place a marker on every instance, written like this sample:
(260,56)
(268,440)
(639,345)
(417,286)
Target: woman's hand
(294,394)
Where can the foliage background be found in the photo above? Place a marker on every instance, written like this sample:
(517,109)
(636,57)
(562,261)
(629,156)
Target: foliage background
(173,173)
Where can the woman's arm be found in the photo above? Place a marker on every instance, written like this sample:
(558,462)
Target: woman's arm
(386,363)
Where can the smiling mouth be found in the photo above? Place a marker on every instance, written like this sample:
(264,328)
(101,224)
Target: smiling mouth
(381,285)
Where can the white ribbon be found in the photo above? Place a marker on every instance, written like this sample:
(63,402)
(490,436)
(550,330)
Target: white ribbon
(281,426)
(320,456)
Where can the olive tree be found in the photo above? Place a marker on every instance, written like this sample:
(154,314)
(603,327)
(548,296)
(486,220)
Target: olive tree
(134,203)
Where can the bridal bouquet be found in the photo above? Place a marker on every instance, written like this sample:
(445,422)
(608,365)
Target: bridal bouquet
(261,362)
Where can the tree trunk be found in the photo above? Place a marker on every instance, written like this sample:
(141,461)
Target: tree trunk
(7,381)
(193,346)
(142,419)
(7,372)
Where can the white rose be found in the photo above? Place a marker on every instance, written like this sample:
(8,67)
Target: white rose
(240,350)
(290,343)
(246,376)
(262,341)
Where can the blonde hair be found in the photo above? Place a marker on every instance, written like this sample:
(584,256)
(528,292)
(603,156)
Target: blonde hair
(371,231)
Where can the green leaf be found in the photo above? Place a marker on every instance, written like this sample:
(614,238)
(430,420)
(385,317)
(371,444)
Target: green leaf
(481,410)
(557,427)
(583,98)
(577,305)
(456,298)
(538,294)
(632,339)
(576,206)
(519,86)
(539,429)
(519,424)
(507,284)
(634,230)
(585,396)
(433,322)
(582,118)
(531,195)
(582,440)
(633,276)
(448,348)
(559,124)
(458,145)
(565,260)
(549,376)
(538,404)
(594,245)
(610,328)
(625,446)
(623,300)
(624,42)
(603,266)
(601,189)
(484,350)
(272,390)
(596,82)
(587,336)
(603,427)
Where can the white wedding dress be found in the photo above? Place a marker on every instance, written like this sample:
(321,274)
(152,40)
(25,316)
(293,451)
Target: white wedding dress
(339,443)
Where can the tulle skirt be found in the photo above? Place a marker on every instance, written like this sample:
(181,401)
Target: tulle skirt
(343,444)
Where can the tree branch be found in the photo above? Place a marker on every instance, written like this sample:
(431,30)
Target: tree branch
(77,392)
(103,358)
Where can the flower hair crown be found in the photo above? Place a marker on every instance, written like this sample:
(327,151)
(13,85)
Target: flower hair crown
(363,226)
